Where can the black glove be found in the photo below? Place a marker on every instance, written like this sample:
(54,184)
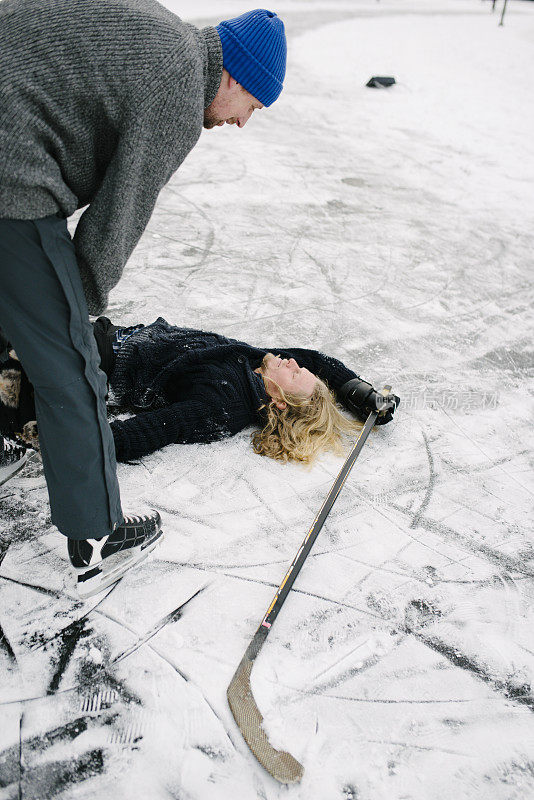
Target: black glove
(361,398)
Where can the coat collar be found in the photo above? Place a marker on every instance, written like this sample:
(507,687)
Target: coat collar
(214,64)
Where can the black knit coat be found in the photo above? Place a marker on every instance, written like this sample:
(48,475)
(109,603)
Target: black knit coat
(187,386)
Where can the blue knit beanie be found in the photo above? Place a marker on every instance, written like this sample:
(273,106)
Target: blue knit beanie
(254,52)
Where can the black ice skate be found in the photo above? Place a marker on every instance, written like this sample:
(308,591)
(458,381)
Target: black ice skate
(100,562)
(12,459)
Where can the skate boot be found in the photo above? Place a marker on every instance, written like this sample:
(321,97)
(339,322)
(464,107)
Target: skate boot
(100,562)
(12,459)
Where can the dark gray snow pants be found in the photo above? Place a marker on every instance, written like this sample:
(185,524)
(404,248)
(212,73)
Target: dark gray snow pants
(44,315)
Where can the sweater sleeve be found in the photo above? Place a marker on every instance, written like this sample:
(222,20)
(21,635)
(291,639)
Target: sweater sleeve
(156,137)
(187,422)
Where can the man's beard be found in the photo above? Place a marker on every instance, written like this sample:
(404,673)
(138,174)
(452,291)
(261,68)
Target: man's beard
(210,120)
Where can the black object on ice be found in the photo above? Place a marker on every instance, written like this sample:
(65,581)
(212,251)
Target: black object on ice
(279,763)
(377,82)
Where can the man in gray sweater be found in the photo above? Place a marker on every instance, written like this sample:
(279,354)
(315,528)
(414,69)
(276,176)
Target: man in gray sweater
(100,103)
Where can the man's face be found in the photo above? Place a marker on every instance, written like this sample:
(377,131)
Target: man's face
(288,375)
(232,105)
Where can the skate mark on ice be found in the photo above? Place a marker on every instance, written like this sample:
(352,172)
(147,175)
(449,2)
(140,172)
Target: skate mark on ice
(420,747)
(296,313)
(378,567)
(425,701)
(505,562)
(419,613)
(67,732)
(365,664)
(203,568)
(54,778)
(526,650)
(86,681)
(328,274)
(216,754)
(21,767)
(4,547)
(430,488)
(463,504)
(189,517)
(44,642)
(12,768)
(43,589)
(437,294)
(477,468)
(334,551)
(197,688)
(173,616)
(350,792)
(171,664)
(89,673)
(478,447)
(506,688)
(5,645)
(210,236)
(405,532)
(70,637)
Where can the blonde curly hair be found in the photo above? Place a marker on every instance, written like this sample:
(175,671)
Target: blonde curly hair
(304,428)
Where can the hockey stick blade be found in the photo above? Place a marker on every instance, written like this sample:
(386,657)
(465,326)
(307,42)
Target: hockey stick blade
(280,764)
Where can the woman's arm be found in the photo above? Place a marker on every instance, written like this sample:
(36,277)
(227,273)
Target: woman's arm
(187,422)
(356,394)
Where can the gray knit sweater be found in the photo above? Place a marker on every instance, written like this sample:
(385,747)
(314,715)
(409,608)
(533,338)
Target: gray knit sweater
(100,102)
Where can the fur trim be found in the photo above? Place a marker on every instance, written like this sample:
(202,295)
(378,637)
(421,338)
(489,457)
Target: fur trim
(30,435)
(10,387)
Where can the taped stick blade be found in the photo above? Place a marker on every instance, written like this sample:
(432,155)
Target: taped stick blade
(279,764)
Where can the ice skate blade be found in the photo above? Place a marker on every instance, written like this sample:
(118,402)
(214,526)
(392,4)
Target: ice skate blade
(104,577)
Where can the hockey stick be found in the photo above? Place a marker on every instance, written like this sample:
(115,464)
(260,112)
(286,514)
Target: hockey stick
(280,764)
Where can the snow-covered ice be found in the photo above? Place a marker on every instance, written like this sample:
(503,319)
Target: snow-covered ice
(393,229)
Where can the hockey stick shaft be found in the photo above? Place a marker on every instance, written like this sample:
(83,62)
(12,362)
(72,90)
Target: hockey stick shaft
(279,763)
(311,536)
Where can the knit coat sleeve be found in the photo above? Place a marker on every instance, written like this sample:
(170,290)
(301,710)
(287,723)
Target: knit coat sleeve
(186,422)
(156,136)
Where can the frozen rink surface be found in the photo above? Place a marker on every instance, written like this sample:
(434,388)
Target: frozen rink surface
(394,230)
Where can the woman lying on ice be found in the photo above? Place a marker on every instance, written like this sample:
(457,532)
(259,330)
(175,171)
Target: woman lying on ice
(188,386)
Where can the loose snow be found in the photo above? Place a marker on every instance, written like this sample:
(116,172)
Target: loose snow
(391,228)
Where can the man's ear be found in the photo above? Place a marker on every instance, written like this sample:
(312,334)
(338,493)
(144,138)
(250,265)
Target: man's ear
(227,80)
(280,404)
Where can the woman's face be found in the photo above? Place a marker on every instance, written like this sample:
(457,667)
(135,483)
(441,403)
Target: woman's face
(288,375)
